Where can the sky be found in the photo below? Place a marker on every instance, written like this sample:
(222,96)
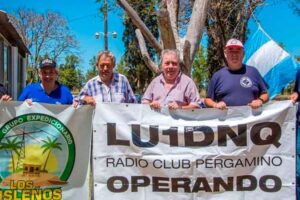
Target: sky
(277,19)
(281,23)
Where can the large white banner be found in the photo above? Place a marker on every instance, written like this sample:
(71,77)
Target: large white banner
(207,154)
(44,152)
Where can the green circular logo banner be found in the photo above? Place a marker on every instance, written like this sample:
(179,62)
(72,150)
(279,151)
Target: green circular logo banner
(56,127)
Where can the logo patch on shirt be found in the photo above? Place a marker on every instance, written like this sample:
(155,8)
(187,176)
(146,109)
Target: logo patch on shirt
(245,82)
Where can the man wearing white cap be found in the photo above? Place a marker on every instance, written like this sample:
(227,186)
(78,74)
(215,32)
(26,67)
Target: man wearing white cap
(236,84)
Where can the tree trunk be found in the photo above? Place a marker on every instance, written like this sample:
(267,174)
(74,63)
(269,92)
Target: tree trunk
(194,32)
(44,168)
(169,29)
(13,161)
(172,7)
(166,32)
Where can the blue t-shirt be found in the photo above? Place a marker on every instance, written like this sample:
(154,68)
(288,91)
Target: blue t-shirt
(61,95)
(236,88)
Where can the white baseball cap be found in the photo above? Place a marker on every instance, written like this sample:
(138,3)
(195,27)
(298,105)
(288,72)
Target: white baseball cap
(234,43)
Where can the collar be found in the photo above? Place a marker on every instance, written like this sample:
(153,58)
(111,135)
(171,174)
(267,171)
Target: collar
(42,88)
(163,81)
(241,68)
(115,78)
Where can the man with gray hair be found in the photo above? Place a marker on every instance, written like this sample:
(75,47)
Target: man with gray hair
(171,88)
(108,86)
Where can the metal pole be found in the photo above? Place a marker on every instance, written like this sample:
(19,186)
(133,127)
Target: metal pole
(105,26)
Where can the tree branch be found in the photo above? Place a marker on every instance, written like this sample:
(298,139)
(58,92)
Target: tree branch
(166,32)
(173,7)
(195,29)
(186,58)
(151,65)
(140,24)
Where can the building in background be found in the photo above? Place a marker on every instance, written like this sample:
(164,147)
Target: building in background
(13,56)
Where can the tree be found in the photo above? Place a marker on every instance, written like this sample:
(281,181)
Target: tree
(121,68)
(44,33)
(92,72)
(48,146)
(13,146)
(225,20)
(200,73)
(168,18)
(136,70)
(69,74)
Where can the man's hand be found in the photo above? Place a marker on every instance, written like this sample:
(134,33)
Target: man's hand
(294,97)
(6,98)
(256,103)
(220,105)
(155,105)
(75,104)
(89,100)
(173,105)
(29,101)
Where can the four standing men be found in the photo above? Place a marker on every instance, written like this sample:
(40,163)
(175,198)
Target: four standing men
(233,85)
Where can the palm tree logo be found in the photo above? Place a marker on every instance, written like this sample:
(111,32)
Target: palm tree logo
(41,149)
(13,146)
(48,146)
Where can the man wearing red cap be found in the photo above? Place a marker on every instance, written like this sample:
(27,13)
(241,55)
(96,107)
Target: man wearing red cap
(236,84)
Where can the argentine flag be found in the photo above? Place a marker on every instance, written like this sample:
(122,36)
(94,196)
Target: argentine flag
(276,66)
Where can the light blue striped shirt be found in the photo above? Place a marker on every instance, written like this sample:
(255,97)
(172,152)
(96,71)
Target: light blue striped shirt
(119,90)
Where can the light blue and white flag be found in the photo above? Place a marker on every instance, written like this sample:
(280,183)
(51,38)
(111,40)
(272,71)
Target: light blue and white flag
(277,67)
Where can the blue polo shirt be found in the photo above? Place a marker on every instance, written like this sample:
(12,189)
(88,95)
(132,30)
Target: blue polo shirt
(236,88)
(61,95)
